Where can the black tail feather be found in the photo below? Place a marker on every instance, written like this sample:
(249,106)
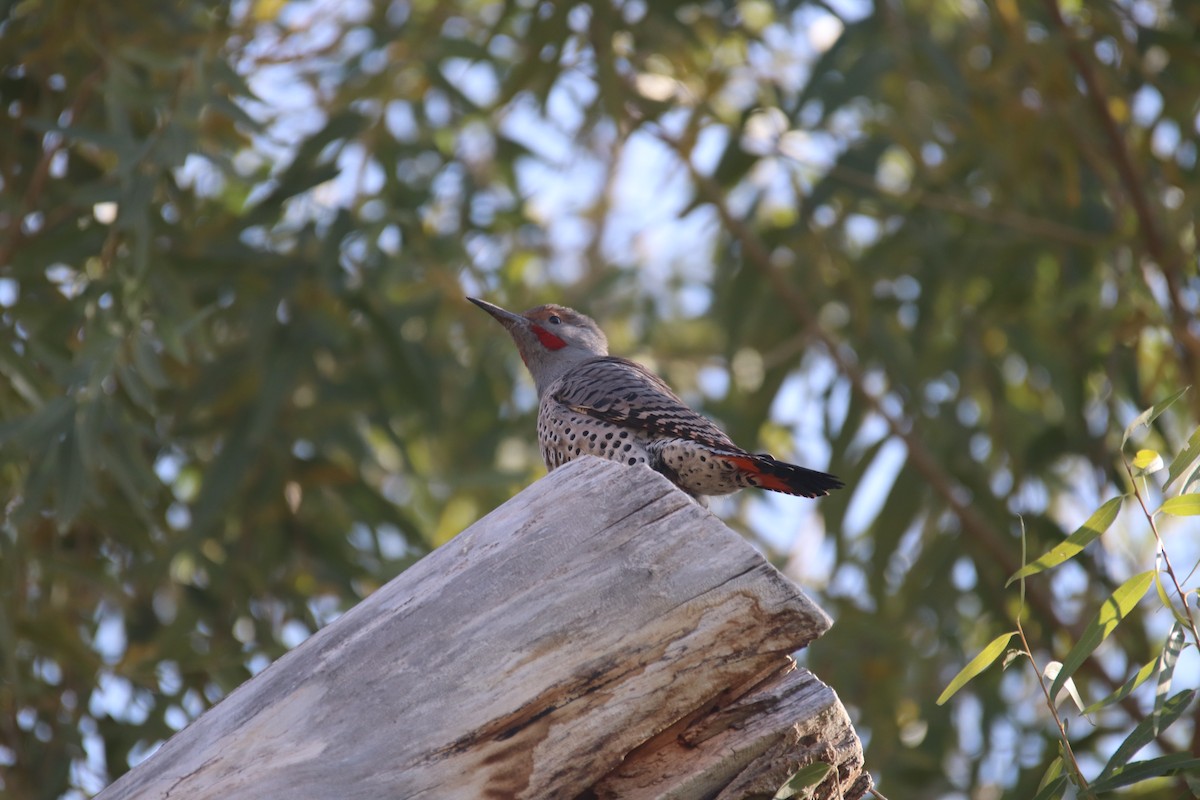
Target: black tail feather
(780,476)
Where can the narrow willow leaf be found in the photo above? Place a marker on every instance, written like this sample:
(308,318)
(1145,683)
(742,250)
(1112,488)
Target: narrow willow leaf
(148,362)
(1115,609)
(135,386)
(226,473)
(1148,461)
(1165,599)
(977,665)
(1070,547)
(1184,460)
(1143,733)
(93,136)
(72,479)
(1187,505)
(42,472)
(1054,788)
(1166,671)
(1050,673)
(1151,414)
(1126,689)
(1053,784)
(1053,771)
(1161,767)
(805,778)
(49,423)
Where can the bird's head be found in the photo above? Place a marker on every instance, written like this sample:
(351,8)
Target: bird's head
(551,338)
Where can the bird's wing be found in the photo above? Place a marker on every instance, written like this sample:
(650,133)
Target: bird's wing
(624,393)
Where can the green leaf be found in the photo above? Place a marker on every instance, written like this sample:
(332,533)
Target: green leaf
(1161,767)
(21,377)
(1166,671)
(1096,524)
(1126,688)
(1144,733)
(1181,463)
(1166,600)
(235,112)
(299,178)
(1053,781)
(977,665)
(226,473)
(1115,609)
(146,359)
(1054,789)
(104,140)
(1148,461)
(42,472)
(1050,672)
(49,423)
(1151,414)
(72,480)
(135,387)
(805,778)
(1054,770)
(1187,505)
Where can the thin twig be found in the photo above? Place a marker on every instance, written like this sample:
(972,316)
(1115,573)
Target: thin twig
(1062,729)
(1162,548)
(1041,678)
(1187,612)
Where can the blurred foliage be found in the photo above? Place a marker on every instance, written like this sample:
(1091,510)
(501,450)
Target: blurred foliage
(953,244)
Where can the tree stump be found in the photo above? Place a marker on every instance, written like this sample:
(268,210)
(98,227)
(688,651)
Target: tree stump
(599,635)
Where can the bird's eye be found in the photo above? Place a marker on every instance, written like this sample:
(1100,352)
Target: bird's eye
(554,319)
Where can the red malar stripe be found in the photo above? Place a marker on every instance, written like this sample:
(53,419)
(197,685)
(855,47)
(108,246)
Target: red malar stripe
(548,339)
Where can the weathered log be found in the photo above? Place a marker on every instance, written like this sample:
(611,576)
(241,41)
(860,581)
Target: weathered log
(598,635)
(747,744)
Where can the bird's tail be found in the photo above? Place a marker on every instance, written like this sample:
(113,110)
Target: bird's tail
(781,476)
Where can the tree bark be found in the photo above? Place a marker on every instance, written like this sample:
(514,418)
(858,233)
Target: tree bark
(599,635)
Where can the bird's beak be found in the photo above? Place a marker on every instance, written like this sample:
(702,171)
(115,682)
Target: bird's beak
(506,318)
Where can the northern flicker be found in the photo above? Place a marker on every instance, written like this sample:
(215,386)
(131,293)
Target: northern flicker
(591,403)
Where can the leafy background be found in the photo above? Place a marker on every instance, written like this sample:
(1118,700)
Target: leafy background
(947,249)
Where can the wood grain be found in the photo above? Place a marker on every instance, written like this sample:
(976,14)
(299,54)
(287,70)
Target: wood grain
(526,658)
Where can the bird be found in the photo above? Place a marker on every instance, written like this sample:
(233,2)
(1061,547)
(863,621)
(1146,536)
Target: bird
(592,403)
